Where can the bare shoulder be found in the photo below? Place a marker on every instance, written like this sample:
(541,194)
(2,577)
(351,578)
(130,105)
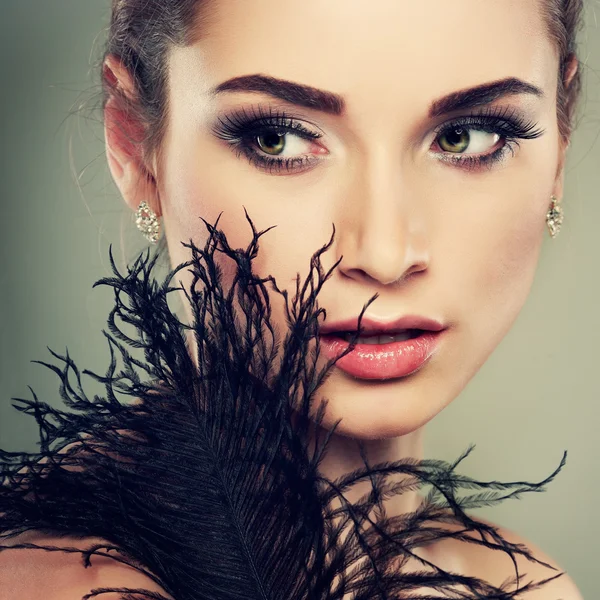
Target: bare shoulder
(561,588)
(29,574)
(32,573)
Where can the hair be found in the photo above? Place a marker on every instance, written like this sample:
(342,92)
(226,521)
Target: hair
(141,32)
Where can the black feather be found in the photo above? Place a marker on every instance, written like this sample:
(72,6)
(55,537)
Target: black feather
(206,483)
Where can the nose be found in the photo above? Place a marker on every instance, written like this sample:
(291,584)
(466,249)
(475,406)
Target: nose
(381,231)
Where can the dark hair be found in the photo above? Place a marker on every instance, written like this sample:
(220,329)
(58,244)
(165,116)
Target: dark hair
(141,32)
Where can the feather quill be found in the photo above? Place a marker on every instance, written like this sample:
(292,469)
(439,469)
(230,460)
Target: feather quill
(206,482)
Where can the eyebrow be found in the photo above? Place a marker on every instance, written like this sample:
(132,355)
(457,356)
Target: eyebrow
(482,94)
(295,93)
(331,103)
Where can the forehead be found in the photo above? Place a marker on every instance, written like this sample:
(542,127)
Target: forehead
(387,52)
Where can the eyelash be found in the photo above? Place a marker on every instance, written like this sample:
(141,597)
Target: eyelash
(241,129)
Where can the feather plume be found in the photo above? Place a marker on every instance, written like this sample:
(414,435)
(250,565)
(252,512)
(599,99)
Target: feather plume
(206,482)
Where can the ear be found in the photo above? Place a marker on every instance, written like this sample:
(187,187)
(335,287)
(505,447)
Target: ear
(559,182)
(124,133)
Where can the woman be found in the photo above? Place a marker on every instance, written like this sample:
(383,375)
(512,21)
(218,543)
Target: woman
(441,169)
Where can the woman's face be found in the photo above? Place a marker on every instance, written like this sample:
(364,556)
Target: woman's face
(438,198)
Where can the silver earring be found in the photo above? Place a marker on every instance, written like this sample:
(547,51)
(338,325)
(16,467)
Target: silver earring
(554,217)
(147,222)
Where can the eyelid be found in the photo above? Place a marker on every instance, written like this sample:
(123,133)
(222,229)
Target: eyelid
(515,120)
(259,116)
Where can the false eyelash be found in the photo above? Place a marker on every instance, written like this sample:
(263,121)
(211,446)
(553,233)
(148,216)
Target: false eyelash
(241,128)
(242,124)
(504,121)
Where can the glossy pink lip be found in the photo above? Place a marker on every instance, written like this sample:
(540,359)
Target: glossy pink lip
(382,361)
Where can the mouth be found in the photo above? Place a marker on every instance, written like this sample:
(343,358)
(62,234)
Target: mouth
(382,356)
(375,338)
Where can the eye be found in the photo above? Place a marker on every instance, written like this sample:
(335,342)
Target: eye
(461,140)
(283,144)
(274,142)
(483,139)
(270,140)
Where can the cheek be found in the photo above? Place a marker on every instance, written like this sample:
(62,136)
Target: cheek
(501,272)
(283,251)
(514,253)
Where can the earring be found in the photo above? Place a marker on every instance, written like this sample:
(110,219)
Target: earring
(554,217)
(147,222)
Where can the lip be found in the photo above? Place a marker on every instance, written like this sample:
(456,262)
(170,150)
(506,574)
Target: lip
(382,361)
(371,326)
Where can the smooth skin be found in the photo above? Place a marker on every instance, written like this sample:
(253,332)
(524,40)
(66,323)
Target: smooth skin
(430,236)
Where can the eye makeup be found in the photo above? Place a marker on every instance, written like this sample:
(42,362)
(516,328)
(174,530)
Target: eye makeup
(244,129)
(506,123)
(241,129)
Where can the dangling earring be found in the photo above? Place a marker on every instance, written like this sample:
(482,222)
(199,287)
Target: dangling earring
(554,217)
(147,222)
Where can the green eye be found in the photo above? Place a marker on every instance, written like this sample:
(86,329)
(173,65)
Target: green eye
(271,143)
(455,140)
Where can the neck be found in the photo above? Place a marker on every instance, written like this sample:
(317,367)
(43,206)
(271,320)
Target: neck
(342,456)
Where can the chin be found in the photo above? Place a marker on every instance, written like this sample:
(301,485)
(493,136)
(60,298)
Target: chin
(380,410)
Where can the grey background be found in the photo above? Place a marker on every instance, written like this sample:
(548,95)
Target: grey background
(536,396)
